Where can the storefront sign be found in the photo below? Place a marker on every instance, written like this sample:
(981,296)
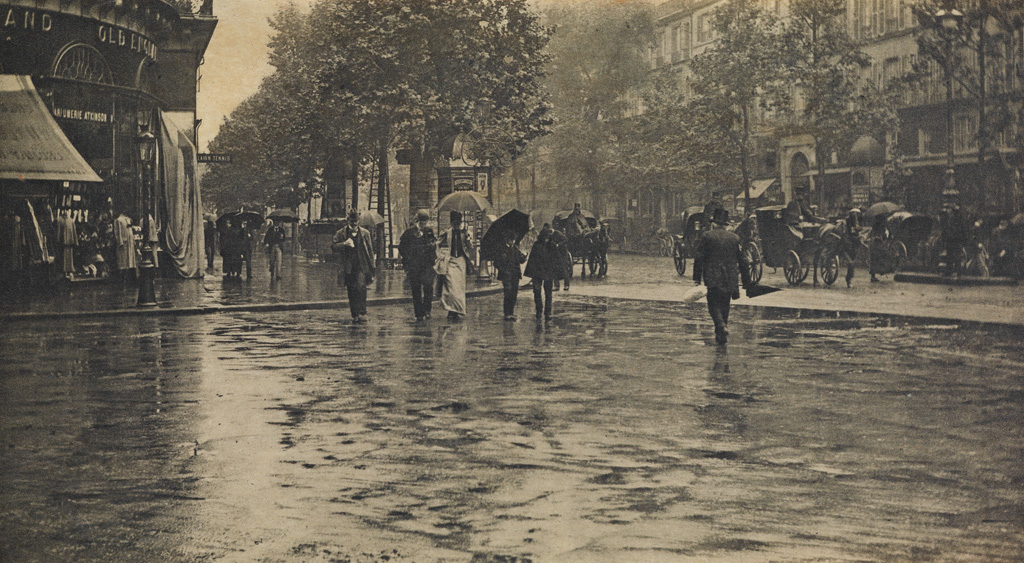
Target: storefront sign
(127,40)
(81,115)
(210,158)
(31,20)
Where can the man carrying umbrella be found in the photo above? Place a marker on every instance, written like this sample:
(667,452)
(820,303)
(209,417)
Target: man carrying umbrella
(718,262)
(418,249)
(357,268)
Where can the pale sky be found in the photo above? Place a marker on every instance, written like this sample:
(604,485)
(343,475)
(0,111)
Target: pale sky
(236,60)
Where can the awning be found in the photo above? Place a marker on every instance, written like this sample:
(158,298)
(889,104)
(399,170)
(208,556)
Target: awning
(32,145)
(757,188)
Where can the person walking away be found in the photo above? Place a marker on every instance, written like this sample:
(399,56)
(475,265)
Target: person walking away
(508,266)
(878,257)
(67,236)
(230,249)
(274,241)
(245,249)
(357,266)
(564,259)
(455,244)
(544,267)
(209,241)
(954,233)
(718,263)
(124,241)
(849,242)
(418,249)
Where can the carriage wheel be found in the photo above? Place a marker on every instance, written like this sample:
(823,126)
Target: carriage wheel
(830,269)
(795,272)
(753,255)
(680,258)
(899,256)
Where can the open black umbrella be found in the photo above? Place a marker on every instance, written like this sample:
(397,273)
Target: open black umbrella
(515,222)
(252,220)
(283,216)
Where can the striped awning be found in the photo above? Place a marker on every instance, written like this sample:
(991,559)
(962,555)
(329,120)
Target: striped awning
(32,144)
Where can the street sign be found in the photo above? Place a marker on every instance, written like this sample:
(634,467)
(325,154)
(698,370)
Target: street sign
(211,158)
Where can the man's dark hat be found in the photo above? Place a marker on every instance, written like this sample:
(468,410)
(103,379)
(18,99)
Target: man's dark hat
(455,216)
(353,215)
(720,216)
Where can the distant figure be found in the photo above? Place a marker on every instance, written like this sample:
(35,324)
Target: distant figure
(878,257)
(849,242)
(274,240)
(954,232)
(357,267)
(576,223)
(67,237)
(418,249)
(456,244)
(124,240)
(714,204)
(544,267)
(508,265)
(719,262)
(209,241)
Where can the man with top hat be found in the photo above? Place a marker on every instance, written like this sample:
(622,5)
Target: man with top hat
(456,246)
(418,249)
(710,207)
(718,263)
(357,267)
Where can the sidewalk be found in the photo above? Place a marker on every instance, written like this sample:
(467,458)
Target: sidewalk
(313,285)
(304,285)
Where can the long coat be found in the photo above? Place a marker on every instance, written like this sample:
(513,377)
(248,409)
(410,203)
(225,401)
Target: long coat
(418,252)
(357,259)
(508,263)
(719,262)
(548,258)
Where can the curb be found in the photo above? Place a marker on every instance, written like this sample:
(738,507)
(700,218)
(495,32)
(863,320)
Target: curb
(962,281)
(209,310)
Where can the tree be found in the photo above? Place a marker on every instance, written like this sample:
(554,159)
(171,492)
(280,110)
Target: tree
(740,80)
(417,73)
(598,56)
(981,55)
(826,66)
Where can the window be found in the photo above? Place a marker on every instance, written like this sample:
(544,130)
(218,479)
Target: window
(675,39)
(965,134)
(84,63)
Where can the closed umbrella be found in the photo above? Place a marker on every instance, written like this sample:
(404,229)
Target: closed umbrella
(370,219)
(515,222)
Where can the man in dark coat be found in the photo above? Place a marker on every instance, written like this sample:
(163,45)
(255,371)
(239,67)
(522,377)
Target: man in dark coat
(357,268)
(718,263)
(714,204)
(508,264)
(418,249)
(545,266)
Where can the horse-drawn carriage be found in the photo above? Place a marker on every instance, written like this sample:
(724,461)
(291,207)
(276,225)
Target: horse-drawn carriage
(909,233)
(588,244)
(781,245)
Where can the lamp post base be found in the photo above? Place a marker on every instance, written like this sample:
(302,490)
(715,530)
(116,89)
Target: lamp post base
(147,273)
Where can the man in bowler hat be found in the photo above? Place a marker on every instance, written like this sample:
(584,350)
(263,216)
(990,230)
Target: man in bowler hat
(718,263)
(418,249)
(357,268)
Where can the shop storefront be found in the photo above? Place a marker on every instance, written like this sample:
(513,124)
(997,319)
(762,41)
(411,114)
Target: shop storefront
(118,80)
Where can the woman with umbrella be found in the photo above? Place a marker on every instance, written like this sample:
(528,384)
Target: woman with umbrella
(456,247)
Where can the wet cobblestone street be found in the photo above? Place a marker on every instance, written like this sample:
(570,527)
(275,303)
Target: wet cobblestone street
(617,432)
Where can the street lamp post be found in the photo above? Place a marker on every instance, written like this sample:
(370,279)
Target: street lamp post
(950,21)
(147,268)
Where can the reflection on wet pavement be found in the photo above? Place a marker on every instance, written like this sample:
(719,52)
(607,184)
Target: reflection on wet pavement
(617,432)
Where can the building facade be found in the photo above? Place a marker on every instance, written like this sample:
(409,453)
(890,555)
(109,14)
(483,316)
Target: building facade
(119,79)
(909,166)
